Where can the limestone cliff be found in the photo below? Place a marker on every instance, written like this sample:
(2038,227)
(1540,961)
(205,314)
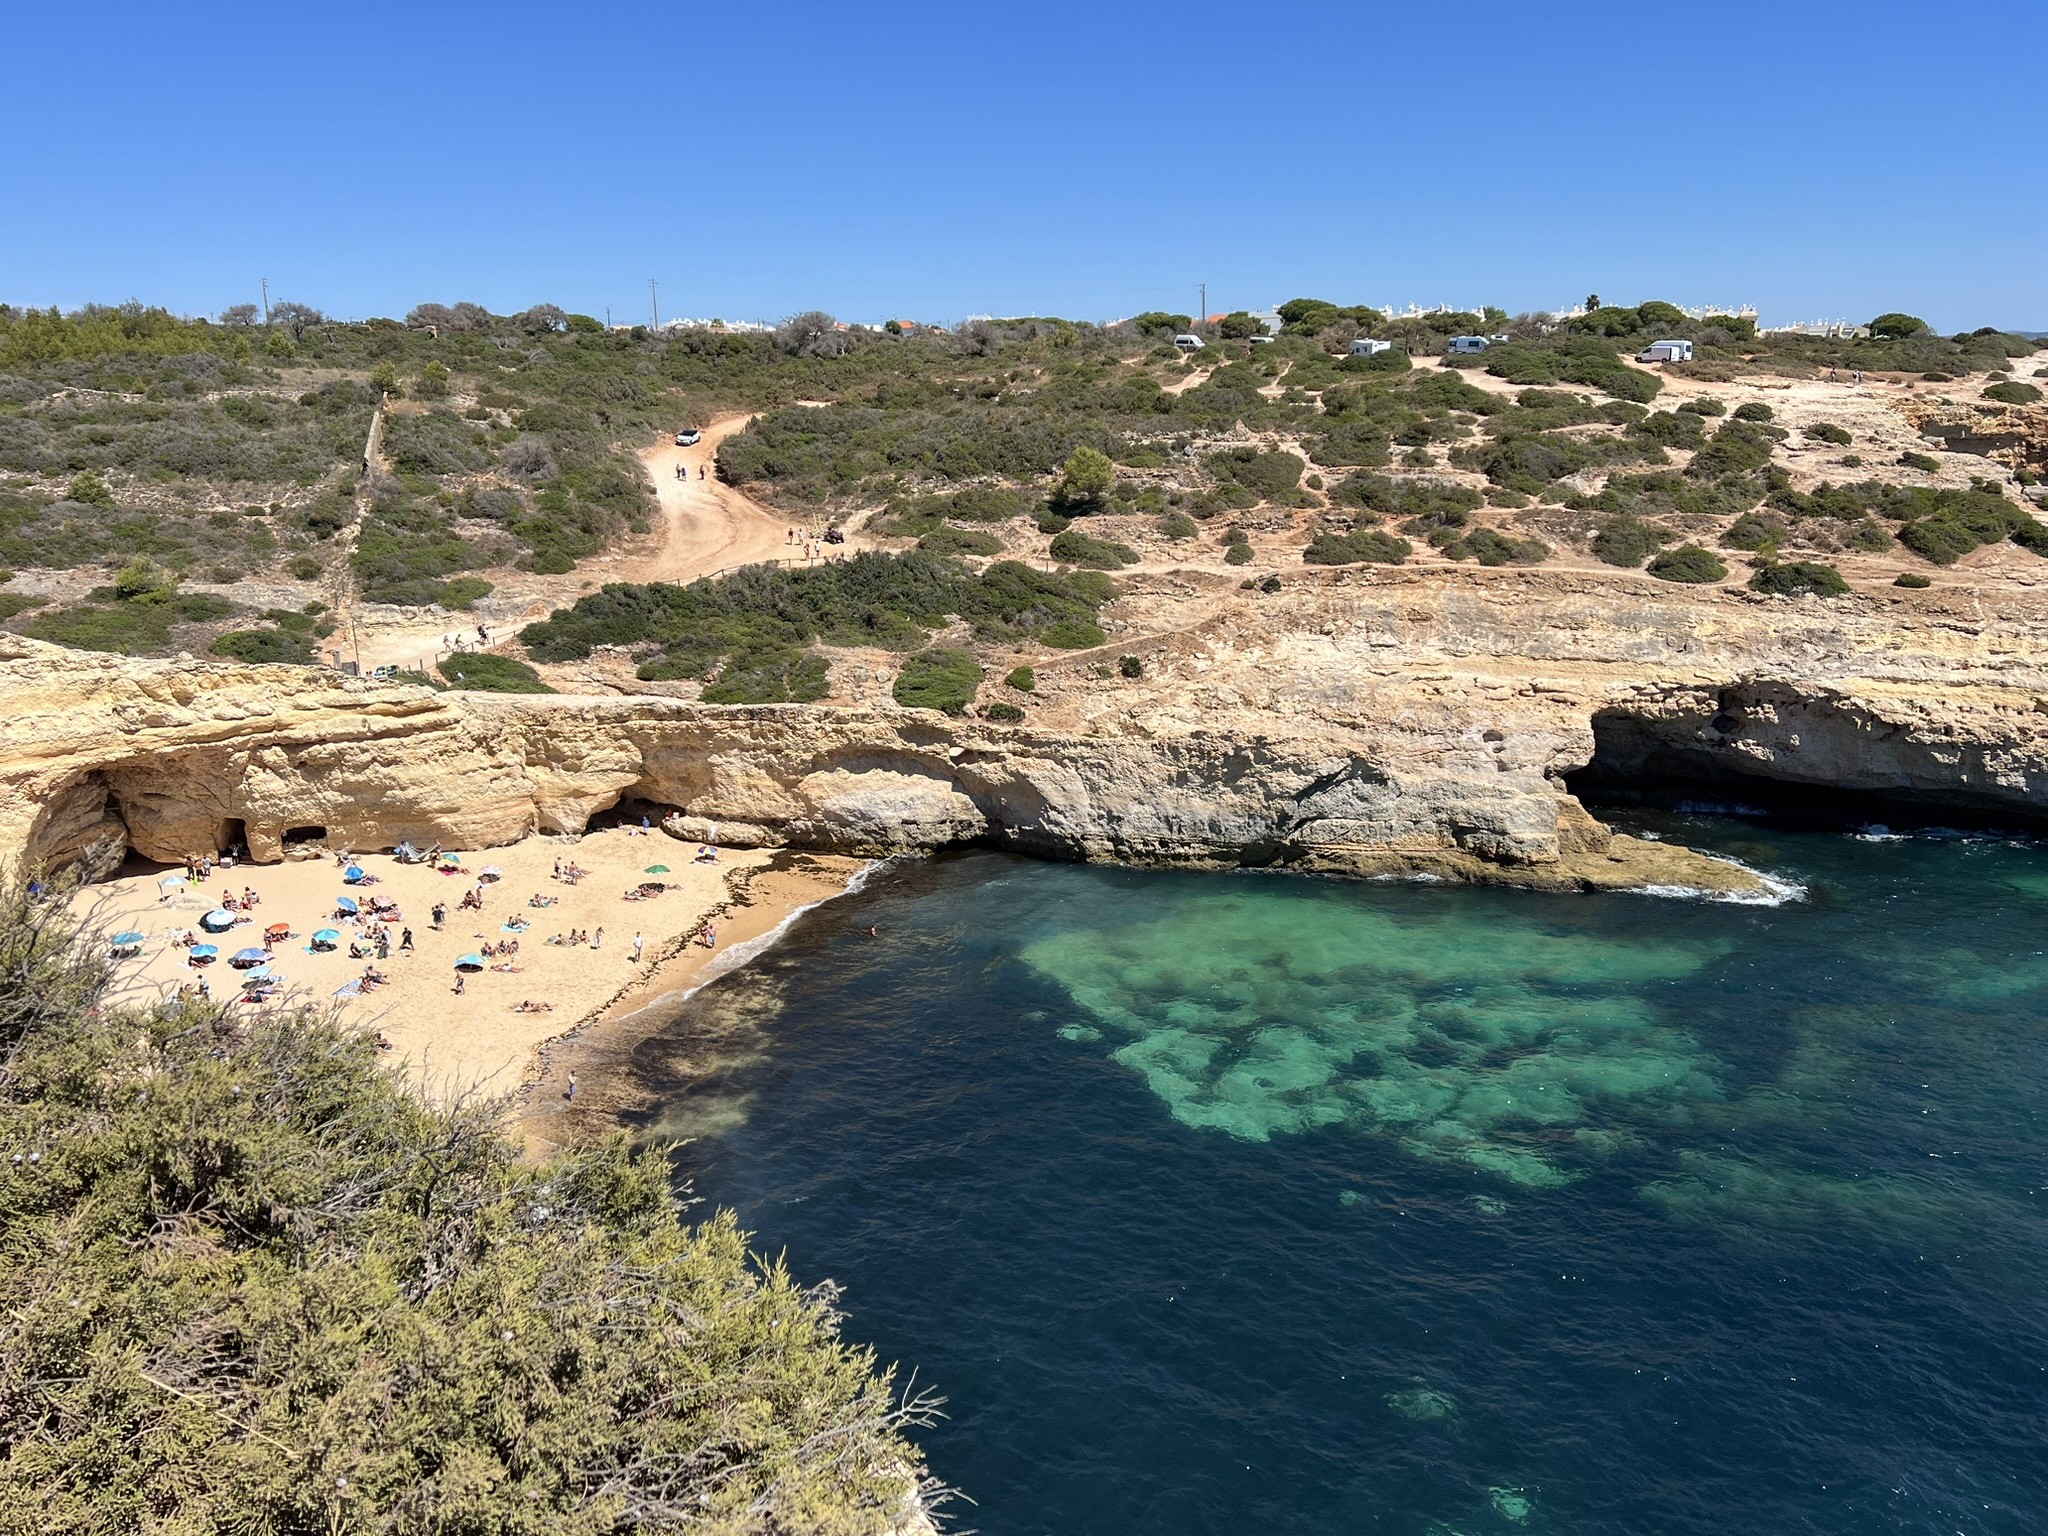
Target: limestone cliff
(1356,721)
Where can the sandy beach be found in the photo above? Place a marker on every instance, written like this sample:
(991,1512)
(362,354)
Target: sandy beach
(473,1041)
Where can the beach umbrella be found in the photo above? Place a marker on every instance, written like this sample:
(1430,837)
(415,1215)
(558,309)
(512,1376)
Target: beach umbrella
(218,920)
(172,882)
(278,931)
(243,959)
(346,904)
(124,940)
(655,869)
(352,874)
(491,872)
(469,962)
(326,938)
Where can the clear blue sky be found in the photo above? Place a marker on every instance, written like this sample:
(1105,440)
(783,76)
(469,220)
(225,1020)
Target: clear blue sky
(764,156)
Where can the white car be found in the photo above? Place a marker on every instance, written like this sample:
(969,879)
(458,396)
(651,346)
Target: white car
(689,437)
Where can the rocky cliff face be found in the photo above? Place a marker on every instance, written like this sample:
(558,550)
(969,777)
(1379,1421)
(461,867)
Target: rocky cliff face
(1364,722)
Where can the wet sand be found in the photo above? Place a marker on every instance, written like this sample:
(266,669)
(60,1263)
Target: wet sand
(475,1041)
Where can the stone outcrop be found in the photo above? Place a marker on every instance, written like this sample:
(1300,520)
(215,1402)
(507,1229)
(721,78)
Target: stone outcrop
(1362,722)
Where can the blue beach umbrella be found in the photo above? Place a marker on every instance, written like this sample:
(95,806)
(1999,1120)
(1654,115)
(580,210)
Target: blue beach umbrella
(469,962)
(124,940)
(203,951)
(219,920)
(346,904)
(259,976)
(242,959)
(326,938)
(352,874)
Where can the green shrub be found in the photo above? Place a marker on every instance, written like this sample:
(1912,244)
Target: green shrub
(1894,326)
(1001,713)
(1912,579)
(1737,448)
(1828,432)
(1085,480)
(1023,679)
(1926,463)
(1177,525)
(1753,410)
(325,1211)
(943,678)
(1237,554)
(1072,635)
(464,591)
(1050,521)
(1130,666)
(305,568)
(1688,563)
(776,675)
(1626,541)
(1271,476)
(14,604)
(1796,576)
(1077,548)
(90,489)
(2013,393)
(275,646)
(960,541)
(1367,545)
(1706,405)
(1489,547)
(487,672)
(1752,531)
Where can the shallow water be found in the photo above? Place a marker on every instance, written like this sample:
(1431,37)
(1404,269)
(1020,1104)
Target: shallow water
(1244,1202)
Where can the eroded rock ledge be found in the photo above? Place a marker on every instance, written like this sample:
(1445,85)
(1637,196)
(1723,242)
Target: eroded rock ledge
(1364,724)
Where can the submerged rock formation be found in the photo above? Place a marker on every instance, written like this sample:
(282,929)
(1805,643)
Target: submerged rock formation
(1359,722)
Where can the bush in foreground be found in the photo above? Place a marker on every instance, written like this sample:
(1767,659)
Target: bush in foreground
(1793,577)
(2012,392)
(943,678)
(486,672)
(1689,564)
(1367,545)
(254,1282)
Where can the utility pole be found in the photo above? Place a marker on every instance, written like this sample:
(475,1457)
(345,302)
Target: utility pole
(654,298)
(1203,317)
(266,301)
(607,317)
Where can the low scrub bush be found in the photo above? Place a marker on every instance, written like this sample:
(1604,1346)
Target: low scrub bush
(1023,679)
(1002,713)
(1827,432)
(1627,541)
(943,678)
(1792,577)
(1689,564)
(487,672)
(2013,393)
(1753,410)
(1489,547)
(1178,525)
(1130,666)
(1076,548)
(271,646)
(775,675)
(947,540)
(1271,476)
(1366,545)
(1737,448)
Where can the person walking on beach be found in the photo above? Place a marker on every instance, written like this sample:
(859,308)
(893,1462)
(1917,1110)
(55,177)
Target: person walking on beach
(405,942)
(459,980)
(637,942)
(439,914)
(597,939)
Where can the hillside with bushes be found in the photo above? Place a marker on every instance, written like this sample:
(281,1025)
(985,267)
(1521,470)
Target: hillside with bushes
(253,1281)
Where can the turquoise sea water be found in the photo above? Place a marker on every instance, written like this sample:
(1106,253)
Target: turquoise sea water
(1247,1202)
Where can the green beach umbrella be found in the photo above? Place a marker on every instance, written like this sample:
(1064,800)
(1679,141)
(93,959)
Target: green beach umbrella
(655,869)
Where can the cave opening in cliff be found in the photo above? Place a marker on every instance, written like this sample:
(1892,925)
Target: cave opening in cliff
(233,836)
(294,835)
(1710,766)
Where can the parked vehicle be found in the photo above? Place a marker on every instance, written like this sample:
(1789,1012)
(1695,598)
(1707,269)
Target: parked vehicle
(834,536)
(1188,342)
(1469,344)
(1366,346)
(1666,352)
(1258,341)
(689,437)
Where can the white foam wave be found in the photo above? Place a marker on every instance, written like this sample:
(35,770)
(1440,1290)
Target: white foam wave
(1776,892)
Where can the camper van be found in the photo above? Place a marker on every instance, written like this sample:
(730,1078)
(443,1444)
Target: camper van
(1365,346)
(1666,352)
(1188,342)
(1468,344)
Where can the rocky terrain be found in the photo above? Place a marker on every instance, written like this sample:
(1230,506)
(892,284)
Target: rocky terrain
(1367,721)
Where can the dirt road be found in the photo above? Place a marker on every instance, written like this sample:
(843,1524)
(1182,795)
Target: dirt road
(707,526)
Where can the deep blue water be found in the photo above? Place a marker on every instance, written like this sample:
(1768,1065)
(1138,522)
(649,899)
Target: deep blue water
(1232,1203)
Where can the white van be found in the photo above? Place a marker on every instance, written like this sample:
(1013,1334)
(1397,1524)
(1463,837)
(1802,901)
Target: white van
(1187,342)
(1469,344)
(1666,352)
(1365,346)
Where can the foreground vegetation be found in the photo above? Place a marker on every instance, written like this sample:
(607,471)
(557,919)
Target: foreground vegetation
(251,1282)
